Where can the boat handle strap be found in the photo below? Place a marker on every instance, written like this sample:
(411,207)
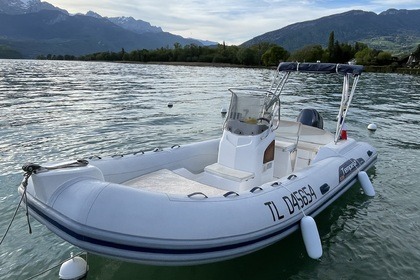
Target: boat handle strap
(254,189)
(230,193)
(197,193)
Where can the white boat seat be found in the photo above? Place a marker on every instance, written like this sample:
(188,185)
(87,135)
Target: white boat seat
(228,173)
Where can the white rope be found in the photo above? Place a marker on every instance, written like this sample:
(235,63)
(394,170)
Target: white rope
(24,184)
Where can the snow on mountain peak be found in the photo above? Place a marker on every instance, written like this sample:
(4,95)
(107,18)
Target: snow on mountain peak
(25,6)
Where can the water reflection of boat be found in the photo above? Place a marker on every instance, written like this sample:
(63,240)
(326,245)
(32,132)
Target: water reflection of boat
(212,200)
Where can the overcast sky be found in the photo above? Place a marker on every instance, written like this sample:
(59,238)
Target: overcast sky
(232,21)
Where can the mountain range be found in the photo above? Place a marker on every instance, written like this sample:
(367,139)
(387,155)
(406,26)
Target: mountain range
(29,28)
(397,31)
(32,28)
(16,7)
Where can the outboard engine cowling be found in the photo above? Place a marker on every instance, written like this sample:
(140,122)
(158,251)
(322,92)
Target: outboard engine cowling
(311,117)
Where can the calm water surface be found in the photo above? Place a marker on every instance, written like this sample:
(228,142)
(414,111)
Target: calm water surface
(60,110)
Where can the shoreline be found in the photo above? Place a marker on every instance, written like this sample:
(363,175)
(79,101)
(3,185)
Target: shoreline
(197,64)
(367,69)
(389,69)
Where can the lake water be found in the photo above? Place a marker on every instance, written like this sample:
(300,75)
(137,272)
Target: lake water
(68,110)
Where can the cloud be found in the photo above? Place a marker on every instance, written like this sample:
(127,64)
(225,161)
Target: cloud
(234,21)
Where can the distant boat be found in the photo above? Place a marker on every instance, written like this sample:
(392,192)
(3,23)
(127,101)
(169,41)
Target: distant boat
(213,200)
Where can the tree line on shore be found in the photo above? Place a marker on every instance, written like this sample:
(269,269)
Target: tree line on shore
(262,54)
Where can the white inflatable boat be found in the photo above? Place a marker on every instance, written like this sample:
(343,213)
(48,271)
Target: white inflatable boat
(212,200)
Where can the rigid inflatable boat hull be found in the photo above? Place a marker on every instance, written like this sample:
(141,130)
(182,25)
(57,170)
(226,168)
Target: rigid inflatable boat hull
(122,222)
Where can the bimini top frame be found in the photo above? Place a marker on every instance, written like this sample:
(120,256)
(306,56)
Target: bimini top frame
(349,72)
(320,68)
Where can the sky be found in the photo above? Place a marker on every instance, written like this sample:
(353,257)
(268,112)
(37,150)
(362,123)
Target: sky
(229,21)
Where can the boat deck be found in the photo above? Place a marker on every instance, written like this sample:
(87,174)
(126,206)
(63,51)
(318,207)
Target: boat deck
(169,182)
